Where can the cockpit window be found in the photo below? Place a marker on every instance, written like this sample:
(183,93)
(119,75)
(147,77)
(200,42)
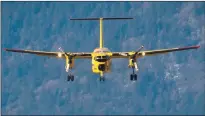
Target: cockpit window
(98,50)
(101,58)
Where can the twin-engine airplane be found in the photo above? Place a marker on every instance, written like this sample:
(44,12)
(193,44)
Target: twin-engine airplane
(101,57)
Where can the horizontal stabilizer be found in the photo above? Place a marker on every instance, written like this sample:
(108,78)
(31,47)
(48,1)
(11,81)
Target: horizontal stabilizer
(125,18)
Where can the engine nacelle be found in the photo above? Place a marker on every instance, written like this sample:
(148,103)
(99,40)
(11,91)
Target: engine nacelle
(69,63)
(131,63)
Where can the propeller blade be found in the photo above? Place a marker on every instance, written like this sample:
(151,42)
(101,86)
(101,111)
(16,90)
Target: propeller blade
(140,49)
(63,51)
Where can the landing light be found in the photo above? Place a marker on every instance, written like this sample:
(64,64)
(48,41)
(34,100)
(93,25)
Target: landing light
(59,55)
(143,53)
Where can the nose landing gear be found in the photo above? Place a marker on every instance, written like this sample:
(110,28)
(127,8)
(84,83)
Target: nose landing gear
(102,78)
(133,76)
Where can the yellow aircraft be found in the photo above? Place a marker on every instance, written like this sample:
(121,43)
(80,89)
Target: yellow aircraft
(101,57)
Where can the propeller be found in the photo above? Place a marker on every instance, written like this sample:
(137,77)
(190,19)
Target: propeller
(134,55)
(63,51)
(123,54)
(70,55)
(140,49)
(136,67)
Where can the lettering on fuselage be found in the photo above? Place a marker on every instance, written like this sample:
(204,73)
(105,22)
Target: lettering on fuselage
(101,61)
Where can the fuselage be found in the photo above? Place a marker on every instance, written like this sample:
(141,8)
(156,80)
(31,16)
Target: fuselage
(101,61)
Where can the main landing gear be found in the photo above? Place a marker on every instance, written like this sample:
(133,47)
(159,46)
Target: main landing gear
(133,64)
(68,58)
(70,77)
(133,76)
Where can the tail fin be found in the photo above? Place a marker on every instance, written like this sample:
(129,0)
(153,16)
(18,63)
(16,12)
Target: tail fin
(101,25)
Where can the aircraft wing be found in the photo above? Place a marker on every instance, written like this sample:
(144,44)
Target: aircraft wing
(52,54)
(150,52)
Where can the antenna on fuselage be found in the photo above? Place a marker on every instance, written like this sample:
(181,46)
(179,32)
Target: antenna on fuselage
(101,25)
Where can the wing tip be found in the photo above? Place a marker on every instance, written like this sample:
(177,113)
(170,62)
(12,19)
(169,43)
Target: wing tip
(197,47)
(5,49)
(191,47)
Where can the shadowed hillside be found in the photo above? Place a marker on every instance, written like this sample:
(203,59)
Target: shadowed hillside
(172,83)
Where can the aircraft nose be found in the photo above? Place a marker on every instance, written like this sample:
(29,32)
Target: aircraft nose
(101,67)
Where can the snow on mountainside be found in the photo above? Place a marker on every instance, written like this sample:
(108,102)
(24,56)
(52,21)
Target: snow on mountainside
(167,84)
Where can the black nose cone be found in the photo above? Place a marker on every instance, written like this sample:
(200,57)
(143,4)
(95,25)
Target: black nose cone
(101,67)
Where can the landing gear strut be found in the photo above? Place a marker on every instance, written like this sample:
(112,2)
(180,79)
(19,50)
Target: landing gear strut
(68,58)
(133,76)
(102,78)
(70,76)
(133,64)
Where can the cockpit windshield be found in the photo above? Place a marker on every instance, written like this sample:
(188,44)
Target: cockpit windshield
(101,58)
(98,50)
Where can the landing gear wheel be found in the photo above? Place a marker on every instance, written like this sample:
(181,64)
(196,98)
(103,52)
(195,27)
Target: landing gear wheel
(102,78)
(135,76)
(70,78)
(131,77)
